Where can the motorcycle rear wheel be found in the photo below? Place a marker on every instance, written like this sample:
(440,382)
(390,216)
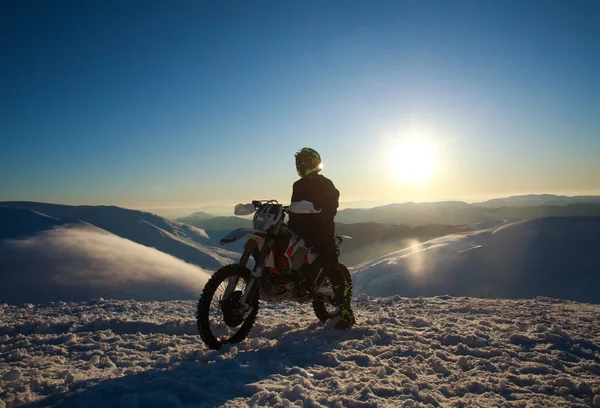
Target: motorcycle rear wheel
(216,317)
(326,310)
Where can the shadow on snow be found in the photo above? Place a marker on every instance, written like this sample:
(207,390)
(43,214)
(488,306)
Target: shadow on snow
(211,378)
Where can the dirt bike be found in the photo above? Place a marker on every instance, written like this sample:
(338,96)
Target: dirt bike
(286,268)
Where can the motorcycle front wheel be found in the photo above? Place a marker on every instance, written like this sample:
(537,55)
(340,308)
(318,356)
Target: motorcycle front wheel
(219,317)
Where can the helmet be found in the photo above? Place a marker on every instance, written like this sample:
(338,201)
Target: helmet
(308,161)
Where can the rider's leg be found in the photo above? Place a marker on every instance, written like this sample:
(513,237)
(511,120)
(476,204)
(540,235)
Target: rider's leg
(342,289)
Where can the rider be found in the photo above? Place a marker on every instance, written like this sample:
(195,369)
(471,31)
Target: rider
(319,229)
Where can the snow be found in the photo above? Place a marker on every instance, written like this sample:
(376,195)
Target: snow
(62,344)
(183,241)
(483,225)
(509,260)
(78,253)
(440,351)
(554,257)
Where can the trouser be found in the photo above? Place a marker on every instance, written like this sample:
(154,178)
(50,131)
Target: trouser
(328,255)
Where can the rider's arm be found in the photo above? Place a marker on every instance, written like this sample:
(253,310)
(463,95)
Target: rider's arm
(295,195)
(330,200)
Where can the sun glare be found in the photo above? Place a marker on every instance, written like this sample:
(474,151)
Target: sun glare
(412,160)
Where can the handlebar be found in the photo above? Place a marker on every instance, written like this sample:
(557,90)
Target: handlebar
(298,207)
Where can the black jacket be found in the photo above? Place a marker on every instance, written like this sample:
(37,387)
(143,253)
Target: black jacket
(320,191)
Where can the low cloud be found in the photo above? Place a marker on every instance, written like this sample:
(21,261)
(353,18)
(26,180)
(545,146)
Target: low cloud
(83,262)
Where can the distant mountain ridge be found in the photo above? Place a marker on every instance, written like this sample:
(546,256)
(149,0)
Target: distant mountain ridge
(458,212)
(413,214)
(530,200)
(442,213)
(200,215)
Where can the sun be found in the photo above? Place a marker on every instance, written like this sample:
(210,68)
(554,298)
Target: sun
(412,160)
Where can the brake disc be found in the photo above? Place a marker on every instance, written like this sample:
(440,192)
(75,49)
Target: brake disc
(232,310)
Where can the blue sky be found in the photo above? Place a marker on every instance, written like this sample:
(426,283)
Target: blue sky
(152,104)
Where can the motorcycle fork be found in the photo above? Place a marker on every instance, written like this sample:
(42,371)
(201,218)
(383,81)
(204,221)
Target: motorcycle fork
(252,287)
(320,276)
(248,250)
(319,281)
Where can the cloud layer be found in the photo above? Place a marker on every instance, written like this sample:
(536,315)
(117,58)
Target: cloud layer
(80,262)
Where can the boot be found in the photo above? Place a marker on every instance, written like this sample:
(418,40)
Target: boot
(347,318)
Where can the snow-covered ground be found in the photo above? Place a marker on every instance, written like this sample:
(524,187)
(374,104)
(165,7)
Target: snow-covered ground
(440,351)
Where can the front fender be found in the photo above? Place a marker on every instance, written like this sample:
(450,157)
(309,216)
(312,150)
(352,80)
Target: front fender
(239,233)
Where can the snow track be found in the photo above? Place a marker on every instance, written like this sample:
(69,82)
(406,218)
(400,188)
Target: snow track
(438,351)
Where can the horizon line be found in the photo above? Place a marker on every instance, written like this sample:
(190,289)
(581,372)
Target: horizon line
(379,203)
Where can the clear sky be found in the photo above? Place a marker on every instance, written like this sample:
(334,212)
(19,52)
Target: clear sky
(150,104)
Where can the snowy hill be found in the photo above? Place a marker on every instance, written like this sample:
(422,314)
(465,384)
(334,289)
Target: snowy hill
(43,244)
(217,223)
(371,240)
(449,352)
(50,253)
(50,259)
(182,241)
(16,222)
(556,257)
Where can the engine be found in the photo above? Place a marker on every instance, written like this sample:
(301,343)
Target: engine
(277,287)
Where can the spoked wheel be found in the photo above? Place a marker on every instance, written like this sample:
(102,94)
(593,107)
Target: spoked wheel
(329,310)
(220,317)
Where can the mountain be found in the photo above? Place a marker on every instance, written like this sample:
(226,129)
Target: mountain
(17,222)
(199,216)
(413,214)
(457,212)
(556,257)
(217,223)
(182,241)
(531,200)
(518,259)
(567,210)
(403,352)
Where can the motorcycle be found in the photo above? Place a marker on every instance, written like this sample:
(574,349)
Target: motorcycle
(286,268)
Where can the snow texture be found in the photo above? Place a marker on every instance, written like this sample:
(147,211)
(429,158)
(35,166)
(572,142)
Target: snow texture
(554,257)
(422,352)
